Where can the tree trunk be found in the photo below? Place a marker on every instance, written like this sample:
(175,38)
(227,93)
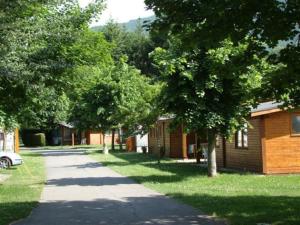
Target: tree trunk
(105,149)
(120,139)
(4,141)
(211,154)
(113,139)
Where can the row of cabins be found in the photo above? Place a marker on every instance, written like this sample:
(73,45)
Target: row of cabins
(270,146)
(67,134)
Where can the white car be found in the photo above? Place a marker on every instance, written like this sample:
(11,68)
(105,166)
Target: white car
(8,159)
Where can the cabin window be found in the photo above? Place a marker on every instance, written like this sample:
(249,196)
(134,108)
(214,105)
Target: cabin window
(296,124)
(241,138)
(218,141)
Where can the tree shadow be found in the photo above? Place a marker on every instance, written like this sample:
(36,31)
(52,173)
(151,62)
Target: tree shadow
(150,161)
(91,181)
(46,152)
(154,209)
(243,210)
(167,165)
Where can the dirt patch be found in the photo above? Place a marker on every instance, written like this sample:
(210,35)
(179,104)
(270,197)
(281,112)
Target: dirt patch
(4,177)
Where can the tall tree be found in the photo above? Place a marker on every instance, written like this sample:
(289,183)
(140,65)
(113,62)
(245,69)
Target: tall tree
(36,37)
(122,98)
(275,23)
(136,45)
(208,90)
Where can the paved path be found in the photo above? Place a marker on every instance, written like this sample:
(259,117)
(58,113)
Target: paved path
(81,191)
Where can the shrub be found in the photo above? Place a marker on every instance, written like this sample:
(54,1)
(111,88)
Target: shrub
(38,140)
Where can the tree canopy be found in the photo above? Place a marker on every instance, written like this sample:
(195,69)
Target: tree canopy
(39,41)
(207,23)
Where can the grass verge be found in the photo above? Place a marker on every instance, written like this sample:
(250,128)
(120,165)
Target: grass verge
(21,192)
(242,199)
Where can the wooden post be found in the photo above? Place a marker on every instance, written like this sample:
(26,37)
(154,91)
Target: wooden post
(263,145)
(73,139)
(62,135)
(113,139)
(164,136)
(120,139)
(17,146)
(184,147)
(196,145)
(224,152)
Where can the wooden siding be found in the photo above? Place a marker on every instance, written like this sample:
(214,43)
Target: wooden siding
(94,138)
(176,143)
(249,159)
(219,153)
(158,137)
(131,144)
(282,150)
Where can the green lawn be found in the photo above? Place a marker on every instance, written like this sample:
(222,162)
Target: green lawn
(240,198)
(21,192)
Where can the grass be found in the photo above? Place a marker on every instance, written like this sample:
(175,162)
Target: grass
(242,199)
(21,192)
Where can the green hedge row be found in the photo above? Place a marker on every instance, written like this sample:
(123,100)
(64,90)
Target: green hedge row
(32,139)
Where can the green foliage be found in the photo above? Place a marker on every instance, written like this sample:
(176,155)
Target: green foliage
(213,88)
(136,45)
(38,140)
(8,123)
(121,98)
(206,23)
(45,109)
(39,54)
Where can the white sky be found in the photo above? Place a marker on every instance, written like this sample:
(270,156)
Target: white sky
(121,10)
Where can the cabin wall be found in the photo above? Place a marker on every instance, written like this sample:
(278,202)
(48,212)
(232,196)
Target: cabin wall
(94,137)
(159,136)
(176,143)
(248,159)
(219,152)
(281,149)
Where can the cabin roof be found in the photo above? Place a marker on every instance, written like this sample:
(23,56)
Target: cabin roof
(64,124)
(266,108)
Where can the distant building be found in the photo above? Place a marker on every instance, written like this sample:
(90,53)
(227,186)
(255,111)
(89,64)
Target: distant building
(12,141)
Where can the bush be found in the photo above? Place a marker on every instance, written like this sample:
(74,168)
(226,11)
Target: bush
(33,137)
(38,140)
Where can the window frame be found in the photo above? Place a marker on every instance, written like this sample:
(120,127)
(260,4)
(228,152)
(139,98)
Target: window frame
(243,140)
(291,124)
(218,141)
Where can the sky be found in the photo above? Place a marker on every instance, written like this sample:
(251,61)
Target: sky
(121,10)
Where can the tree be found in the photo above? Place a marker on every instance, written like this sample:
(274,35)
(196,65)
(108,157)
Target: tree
(38,39)
(209,89)
(8,124)
(136,45)
(122,98)
(207,23)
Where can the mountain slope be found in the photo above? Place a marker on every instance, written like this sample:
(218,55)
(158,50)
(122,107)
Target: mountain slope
(130,25)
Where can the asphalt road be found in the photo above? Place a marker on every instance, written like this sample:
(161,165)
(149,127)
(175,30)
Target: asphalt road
(81,191)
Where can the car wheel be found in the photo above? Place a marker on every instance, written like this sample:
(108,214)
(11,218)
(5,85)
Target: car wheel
(5,163)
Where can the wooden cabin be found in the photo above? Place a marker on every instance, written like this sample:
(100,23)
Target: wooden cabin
(94,137)
(175,142)
(12,141)
(67,134)
(271,146)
